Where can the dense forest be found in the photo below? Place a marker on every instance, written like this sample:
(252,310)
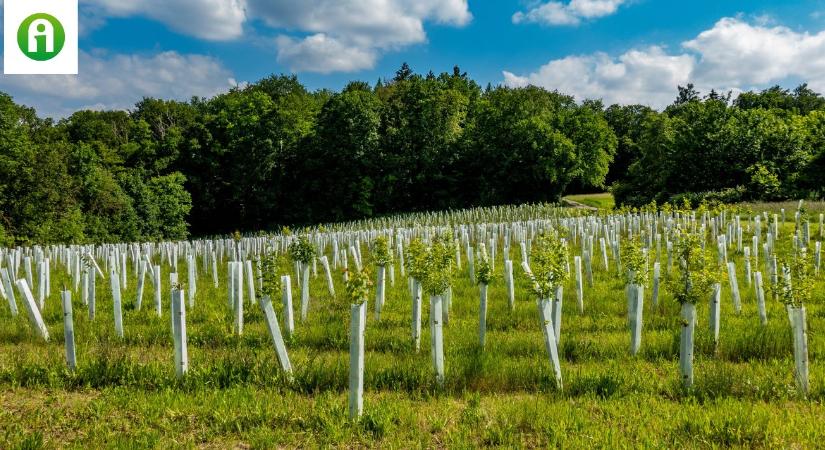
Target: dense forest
(273,153)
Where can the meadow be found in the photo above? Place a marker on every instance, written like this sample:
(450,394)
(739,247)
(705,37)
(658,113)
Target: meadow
(601,200)
(124,392)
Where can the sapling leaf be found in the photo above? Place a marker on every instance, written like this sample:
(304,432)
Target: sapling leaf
(484,271)
(302,250)
(634,260)
(548,264)
(381,254)
(697,270)
(358,286)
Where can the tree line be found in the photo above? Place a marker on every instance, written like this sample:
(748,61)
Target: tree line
(274,153)
(767,145)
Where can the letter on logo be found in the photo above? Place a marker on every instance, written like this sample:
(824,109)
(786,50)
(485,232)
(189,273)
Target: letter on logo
(41,28)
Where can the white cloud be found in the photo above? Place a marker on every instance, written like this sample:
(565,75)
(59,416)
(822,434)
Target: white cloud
(117,81)
(347,35)
(733,55)
(648,74)
(323,54)
(572,13)
(214,20)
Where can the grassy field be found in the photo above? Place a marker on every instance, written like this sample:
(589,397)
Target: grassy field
(125,393)
(601,201)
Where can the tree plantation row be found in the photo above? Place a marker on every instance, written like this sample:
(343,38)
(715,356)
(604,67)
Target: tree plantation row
(554,275)
(266,155)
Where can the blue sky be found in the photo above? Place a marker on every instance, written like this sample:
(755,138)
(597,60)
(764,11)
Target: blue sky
(623,51)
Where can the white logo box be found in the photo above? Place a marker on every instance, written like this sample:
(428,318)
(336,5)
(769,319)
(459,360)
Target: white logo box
(15,12)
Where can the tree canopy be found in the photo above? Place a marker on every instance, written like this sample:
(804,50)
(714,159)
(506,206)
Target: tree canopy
(762,146)
(275,153)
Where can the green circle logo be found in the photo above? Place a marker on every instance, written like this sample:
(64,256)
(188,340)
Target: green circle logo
(41,37)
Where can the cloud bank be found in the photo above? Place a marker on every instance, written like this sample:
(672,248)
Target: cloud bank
(733,55)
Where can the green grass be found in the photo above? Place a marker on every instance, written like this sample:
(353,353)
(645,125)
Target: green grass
(601,201)
(606,201)
(814,208)
(125,393)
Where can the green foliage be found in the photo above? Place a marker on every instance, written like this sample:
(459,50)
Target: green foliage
(697,271)
(381,254)
(262,156)
(548,264)
(626,123)
(88,178)
(273,153)
(763,179)
(347,137)
(484,271)
(358,286)
(162,203)
(634,261)
(302,250)
(595,144)
(5,240)
(764,146)
(270,277)
(438,264)
(801,101)
(686,206)
(535,138)
(804,218)
(727,195)
(795,281)
(415,257)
